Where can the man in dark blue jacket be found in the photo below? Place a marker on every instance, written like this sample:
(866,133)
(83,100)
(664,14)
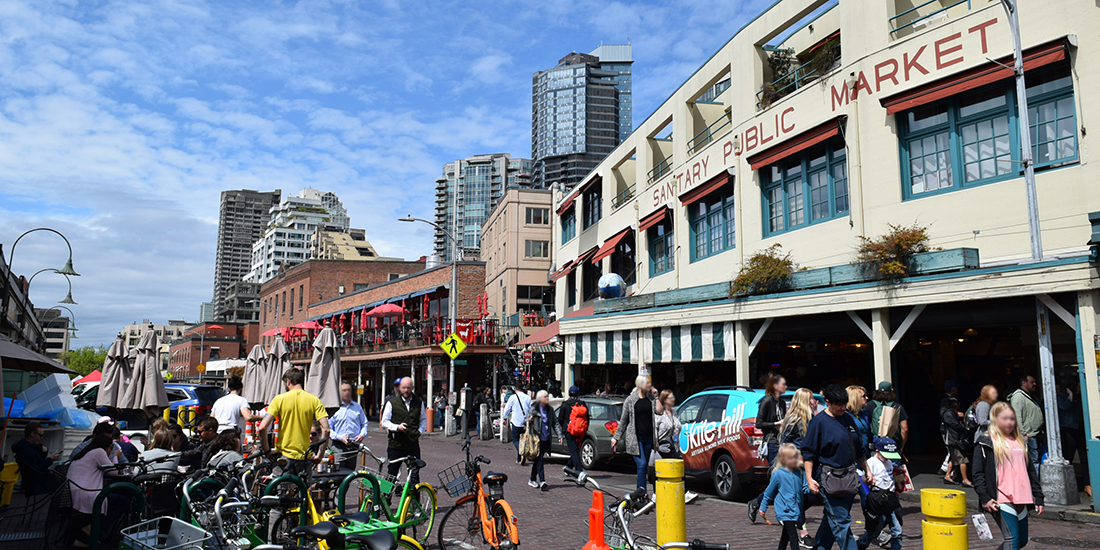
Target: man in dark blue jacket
(34,460)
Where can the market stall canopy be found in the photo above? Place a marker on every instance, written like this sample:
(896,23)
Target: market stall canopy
(323,379)
(94,376)
(541,336)
(255,389)
(145,391)
(116,375)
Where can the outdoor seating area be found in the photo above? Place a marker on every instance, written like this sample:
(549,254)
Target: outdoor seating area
(399,335)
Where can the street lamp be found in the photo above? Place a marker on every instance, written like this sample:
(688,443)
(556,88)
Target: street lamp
(453,299)
(68,297)
(67,269)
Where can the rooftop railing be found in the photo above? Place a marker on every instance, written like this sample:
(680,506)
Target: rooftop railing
(623,197)
(923,20)
(659,171)
(702,139)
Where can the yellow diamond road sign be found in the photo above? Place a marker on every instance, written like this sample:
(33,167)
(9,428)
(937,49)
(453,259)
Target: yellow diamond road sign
(201,368)
(453,345)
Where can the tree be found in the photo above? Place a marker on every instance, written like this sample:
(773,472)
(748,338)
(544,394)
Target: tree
(84,360)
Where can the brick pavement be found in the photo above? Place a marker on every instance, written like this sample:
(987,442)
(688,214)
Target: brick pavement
(555,520)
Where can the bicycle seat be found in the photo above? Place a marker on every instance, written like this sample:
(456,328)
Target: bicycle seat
(494,477)
(417,463)
(355,517)
(378,540)
(324,530)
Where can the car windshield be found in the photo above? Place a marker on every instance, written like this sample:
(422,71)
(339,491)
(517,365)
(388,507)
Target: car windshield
(208,395)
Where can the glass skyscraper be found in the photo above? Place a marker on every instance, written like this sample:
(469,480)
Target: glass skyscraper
(468,191)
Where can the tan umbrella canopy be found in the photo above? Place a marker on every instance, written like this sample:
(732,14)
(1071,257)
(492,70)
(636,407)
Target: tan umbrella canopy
(146,388)
(254,371)
(14,356)
(278,362)
(116,375)
(323,379)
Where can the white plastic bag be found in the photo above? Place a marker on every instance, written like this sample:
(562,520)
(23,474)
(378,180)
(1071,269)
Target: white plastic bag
(982,526)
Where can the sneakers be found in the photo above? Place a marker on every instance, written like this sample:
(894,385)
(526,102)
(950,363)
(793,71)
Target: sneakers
(690,496)
(754,509)
(806,542)
(533,484)
(544,487)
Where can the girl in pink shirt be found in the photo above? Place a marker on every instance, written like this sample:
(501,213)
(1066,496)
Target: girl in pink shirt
(87,481)
(1004,478)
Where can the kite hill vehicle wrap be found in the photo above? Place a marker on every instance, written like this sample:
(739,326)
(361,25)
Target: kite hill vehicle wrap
(719,437)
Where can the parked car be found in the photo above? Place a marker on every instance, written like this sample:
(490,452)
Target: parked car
(179,395)
(604,413)
(82,387)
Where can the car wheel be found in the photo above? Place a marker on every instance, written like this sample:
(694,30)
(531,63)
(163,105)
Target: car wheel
(588,454)
(726,483)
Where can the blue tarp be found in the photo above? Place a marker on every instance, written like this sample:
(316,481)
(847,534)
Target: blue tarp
(74,418)
(16,409)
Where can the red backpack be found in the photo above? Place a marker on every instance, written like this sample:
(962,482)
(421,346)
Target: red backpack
(578,419)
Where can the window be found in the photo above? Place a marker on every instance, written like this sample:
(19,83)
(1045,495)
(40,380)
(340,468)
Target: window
(538,216)
(623,260)
(301,295)
(571,288)
(284,301)
(714,410)
(537,249)
(974,138)
(394,276)
(662,247)
(593,205)
(689,411)
(356,287)
(805,189)
(569,225)
(591,280)
(713,224)
(292,303)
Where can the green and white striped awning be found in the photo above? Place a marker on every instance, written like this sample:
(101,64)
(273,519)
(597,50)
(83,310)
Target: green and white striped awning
(597,348)
(683,344)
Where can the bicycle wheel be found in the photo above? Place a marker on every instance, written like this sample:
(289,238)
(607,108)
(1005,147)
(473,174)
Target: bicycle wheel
(642,542)
(461,528)
(418,510)
(506,530)
(408,543)
(280,534)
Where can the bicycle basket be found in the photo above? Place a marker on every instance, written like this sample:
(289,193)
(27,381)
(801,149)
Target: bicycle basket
(456,481)
(166,533)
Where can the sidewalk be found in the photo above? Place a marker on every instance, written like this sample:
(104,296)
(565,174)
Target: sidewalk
(1081,513)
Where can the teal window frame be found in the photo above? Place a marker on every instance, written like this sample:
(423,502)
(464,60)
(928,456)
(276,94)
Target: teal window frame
(807,188)
(959,149)
(714,230)
(593,205)
(569,224)
(662,246)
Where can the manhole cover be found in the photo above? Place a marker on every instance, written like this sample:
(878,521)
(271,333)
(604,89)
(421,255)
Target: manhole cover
(1066,543)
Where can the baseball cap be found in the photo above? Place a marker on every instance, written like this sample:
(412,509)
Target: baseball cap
(885,386)
(574,390)
(887,447)
(397,381)
(949,385)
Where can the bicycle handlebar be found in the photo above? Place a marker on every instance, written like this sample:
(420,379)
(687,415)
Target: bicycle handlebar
(482,460)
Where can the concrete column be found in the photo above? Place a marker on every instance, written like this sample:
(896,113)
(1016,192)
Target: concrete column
(880,344)
(643,368)
(1055,475)
(486,427)
(567,360)
(741,352)
(1087,302)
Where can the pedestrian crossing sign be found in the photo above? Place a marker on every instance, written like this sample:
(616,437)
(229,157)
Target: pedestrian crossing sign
(453,345)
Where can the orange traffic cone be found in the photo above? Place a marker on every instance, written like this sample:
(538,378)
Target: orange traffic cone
(595,524)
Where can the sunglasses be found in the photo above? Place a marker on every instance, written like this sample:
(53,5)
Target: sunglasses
(314,434)
(40,434)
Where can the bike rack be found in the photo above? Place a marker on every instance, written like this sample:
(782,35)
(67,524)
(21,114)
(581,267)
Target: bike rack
(342,493)
(303,491)
(97,507)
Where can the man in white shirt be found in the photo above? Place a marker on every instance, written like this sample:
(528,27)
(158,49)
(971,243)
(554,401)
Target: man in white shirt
(232,410)
(516,413)
(349,427)
(404,417)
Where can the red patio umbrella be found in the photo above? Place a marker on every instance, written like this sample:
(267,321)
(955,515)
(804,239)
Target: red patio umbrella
(385,310)
(214,327)
(275,332)
(309,325)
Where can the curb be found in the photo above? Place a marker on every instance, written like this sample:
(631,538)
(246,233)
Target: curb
(1069,514)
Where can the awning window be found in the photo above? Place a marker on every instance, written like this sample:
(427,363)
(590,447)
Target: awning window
(653,219)
(974,78)
(609,245)
(565,269)
(567,204)
(715,183)
(795,145)
(587,254)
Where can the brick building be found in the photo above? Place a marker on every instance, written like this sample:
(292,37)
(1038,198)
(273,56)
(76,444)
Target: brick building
(205,341)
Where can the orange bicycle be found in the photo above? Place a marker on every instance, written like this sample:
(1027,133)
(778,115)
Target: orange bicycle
(481,518)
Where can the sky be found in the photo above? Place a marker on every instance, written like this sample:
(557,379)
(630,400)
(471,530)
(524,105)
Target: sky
(122,122)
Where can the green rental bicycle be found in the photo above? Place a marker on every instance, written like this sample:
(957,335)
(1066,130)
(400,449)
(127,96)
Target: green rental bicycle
(414,510)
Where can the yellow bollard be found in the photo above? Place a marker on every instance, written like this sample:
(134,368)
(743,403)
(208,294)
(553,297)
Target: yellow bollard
(671,517)
(168,414)
(944,525)
(181,416)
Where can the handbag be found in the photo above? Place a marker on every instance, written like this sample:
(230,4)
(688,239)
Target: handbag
(841,482)
(881,502)
(529,444)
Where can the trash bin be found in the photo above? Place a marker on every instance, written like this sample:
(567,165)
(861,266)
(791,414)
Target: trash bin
(8,478)
(944,525)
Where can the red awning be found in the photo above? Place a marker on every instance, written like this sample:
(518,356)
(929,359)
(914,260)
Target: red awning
(704,189)
(797,144)
(584,257)
(653,219)
(567,204)
(576,193)
(974,78)
(565,269)
(540,336)
(609,245)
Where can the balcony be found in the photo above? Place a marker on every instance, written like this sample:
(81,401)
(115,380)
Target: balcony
(924,15)
(819,60)
(410,335)
(716,128)
(659,171)
(623,197)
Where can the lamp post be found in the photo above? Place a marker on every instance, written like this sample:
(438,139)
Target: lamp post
(67,269)
(453,299)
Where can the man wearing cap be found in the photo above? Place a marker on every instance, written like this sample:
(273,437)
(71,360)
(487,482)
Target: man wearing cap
(884,397)
(573,417)
(882,470)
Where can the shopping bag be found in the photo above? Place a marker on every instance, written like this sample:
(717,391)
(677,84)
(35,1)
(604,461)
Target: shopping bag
(529,444)
(888,424)
(902,482)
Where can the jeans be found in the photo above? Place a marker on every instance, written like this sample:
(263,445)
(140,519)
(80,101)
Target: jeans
(1033,453)
(537,466)
(441,417)
(875,525)
(477,421)
(517,432)
(574,445)
(1013,529)
(641,461)
(836,525)
(394,469)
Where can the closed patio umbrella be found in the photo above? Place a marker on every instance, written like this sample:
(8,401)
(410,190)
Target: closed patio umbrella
(323,378)
(278,362)
(116,375)
(145,391)
(254,371)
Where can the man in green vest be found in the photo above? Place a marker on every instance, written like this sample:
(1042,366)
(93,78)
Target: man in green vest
(404,418)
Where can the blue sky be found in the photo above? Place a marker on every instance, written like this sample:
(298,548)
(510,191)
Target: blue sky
(121,122)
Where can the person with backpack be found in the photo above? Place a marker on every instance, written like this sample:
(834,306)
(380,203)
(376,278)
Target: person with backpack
(957,440)
(1029,415)
(976,418)
(573,417)
(884,397)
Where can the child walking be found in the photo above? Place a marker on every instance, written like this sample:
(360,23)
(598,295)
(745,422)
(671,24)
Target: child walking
(1004,477)
(786,489)
(882,469)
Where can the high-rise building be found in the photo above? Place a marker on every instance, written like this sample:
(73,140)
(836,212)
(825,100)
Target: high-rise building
(291,227)
(580,110)
(468,191)
(55,331)
(241,303)
(206,312)
(244,215)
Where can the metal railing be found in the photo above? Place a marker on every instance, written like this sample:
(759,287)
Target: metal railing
(623,196)
(659,171)
(412,334)
(792,81)
(893,20)
(702,139)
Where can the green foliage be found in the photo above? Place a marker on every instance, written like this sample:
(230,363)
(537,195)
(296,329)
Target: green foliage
(826,56)
(84,360)
(765,271)
(888,256)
